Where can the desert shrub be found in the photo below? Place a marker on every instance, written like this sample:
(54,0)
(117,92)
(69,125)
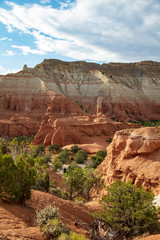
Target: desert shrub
(55,148)
(75,236)
(4,147)
(96,160)
(42,181)
(101,154)
(150,123)
(57,164)
(80,156)
(59,192)
(43,159)
(63,156)
(40,149)
(75,149)
(46,214)
(72,236)
(46,158)
(49,222)
(129,209)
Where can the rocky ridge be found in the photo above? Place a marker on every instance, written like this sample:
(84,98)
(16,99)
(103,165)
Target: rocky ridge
(35,97)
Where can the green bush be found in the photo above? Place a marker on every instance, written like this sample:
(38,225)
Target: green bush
(75,149)
(57,164)
(4,148)
(42,181)
(96,160)
(72,236)
(59,192)
(129,209)
(55,148)
(80,156)
(63,156)
(49,222)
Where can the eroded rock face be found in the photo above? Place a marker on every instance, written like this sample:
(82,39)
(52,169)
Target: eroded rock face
(134,154)
(119,91)
(74,129)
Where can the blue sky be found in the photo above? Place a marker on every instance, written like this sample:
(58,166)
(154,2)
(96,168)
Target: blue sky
(91,30)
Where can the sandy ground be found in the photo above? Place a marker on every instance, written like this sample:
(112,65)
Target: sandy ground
(18,222)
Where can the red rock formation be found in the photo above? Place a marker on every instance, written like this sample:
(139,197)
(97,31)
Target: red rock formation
(74,126)
(134,155)
(119,91)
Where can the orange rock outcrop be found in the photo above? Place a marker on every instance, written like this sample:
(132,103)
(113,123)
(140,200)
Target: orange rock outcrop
(134,154)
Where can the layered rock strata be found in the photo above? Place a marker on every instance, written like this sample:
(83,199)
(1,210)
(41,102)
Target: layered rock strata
(119,91)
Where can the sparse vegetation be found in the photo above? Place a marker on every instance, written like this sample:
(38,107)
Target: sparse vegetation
(50,224)
(149,123)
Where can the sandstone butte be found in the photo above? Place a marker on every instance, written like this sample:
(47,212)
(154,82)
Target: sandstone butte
(76,102)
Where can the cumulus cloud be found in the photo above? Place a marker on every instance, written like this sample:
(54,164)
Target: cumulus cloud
(103,30)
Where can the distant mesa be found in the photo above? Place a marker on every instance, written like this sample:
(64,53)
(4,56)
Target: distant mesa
(58,96)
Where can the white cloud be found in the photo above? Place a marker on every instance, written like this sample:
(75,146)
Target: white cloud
(45,1)
(3,39)
(26,50)
(4,71)
(9,53)
(104,30)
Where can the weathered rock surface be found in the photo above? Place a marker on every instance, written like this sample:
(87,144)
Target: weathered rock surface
(119,91)
(66,123)
(134,154)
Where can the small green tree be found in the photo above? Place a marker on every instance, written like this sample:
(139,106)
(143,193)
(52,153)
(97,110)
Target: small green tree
(25,179)
(129,209)
(8,172)
(75,180)
(16,178)
(4,148)
(80,156)
(75,149)
(96,160)
(55,148)
(92,178)
(57,164)
(63,156)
